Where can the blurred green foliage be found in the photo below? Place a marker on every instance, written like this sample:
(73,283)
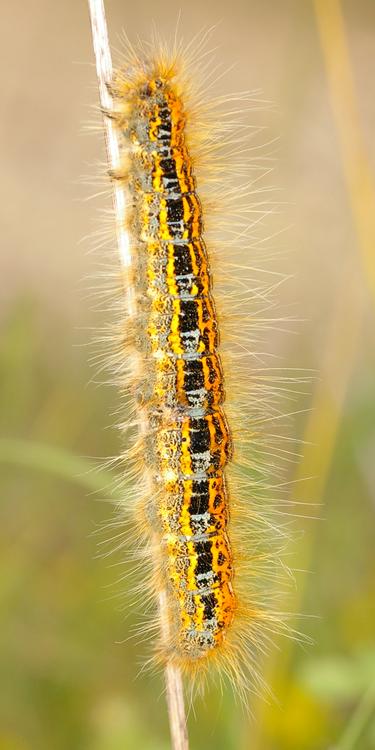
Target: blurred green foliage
(71,676)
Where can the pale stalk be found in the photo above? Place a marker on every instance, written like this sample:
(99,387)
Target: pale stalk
(174,687)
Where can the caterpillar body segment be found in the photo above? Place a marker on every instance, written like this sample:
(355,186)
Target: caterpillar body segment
(181,394)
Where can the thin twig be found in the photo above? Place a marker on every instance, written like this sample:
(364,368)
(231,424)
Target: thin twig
(105,73)
(174,687)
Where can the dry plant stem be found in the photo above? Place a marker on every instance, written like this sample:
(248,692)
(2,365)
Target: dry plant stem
(174,687)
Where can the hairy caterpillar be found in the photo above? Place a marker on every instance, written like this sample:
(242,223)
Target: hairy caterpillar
(206,526)
(180,386)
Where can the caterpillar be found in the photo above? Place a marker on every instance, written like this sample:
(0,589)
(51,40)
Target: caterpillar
(181,391)
(207,527)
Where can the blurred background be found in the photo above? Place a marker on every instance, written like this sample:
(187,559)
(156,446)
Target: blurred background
(69,676)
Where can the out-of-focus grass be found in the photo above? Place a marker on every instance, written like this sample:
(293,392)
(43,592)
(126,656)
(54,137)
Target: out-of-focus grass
(355,161)
(338,364)
(26,454)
